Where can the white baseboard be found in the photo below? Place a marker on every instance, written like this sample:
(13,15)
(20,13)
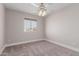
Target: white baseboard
(7,45)
(63,45)
(1,50)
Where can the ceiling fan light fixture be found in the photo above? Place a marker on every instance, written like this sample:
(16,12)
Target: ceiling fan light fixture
(44,13)
(42,10)
(40,13)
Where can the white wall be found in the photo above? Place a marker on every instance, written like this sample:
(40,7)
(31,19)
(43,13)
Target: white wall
(63,26)
(2,30)
(15,27)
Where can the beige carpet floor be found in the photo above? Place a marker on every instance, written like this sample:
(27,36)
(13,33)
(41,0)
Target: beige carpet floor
(40,48)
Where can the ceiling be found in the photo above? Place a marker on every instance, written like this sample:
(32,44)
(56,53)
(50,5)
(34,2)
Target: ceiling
(32,8)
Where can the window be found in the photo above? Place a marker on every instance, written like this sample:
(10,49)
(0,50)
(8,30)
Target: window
(30,25)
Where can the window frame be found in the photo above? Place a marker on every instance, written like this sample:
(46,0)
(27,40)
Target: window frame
(31,30)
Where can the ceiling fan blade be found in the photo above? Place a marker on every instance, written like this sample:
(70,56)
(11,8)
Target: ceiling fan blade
(35,5)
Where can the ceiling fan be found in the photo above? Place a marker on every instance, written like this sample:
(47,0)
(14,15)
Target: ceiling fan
(42,8)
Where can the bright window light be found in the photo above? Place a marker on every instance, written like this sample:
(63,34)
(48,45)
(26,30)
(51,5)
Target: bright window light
(30,25)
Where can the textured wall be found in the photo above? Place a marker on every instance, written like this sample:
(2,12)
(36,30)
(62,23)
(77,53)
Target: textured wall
(63,26)
(2,30)
(15,27)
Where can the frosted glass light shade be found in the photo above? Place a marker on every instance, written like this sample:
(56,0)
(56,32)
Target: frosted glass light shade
(42,12)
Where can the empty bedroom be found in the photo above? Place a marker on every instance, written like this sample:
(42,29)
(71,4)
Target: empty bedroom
(39,29)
